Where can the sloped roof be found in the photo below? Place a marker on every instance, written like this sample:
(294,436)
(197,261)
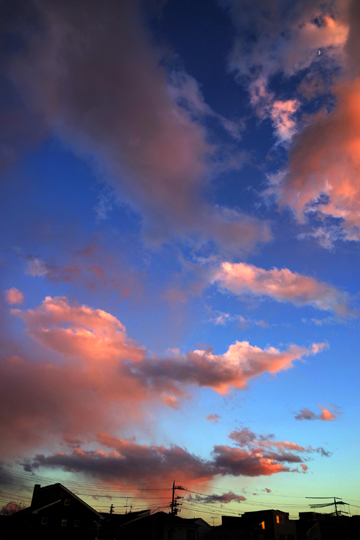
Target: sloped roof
(73,495)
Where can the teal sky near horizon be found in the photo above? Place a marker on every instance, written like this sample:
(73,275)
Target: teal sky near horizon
(180,227)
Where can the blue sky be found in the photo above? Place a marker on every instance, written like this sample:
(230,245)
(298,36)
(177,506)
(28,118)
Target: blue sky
(179,239)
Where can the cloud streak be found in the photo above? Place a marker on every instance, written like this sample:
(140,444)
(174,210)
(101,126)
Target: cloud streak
(225,498)
(283,286)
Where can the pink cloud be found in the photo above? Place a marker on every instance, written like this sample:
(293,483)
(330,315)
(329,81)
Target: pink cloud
(326,414)
(96,377)
(95,336)
(14,296)
(282,115)
(214,418)
(283,286)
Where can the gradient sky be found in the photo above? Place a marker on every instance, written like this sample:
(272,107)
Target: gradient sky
(180,228)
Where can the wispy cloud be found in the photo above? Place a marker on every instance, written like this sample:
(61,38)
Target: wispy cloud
(221,319)
(214,418)
(54,272)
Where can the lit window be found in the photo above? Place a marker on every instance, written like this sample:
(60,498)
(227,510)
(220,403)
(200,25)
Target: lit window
(63,522)
(279,519)
(67,502)
(262,525)
(44,521)
(77,523)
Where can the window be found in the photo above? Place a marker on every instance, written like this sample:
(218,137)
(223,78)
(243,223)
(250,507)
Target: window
(279,519)
(44,521)
(262,525)
(190,534)
(67,502)
(76,522)
(63,522)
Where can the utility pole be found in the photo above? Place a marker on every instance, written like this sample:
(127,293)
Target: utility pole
(174,504)
(112,509)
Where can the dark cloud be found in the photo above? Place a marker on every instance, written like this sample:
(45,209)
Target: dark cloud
(305,414)
(270,449)
(225,498)
(131,463)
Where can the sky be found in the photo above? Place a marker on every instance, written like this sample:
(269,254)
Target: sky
(180,228)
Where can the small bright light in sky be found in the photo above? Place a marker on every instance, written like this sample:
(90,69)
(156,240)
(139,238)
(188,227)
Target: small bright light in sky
(180,226)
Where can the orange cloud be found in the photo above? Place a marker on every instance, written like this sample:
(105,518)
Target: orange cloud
(14,296)
(324,165)
(326,414)
(283,286)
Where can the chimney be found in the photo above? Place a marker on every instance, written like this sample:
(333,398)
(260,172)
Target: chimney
(36,489)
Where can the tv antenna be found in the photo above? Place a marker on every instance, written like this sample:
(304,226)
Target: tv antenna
(337,501)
